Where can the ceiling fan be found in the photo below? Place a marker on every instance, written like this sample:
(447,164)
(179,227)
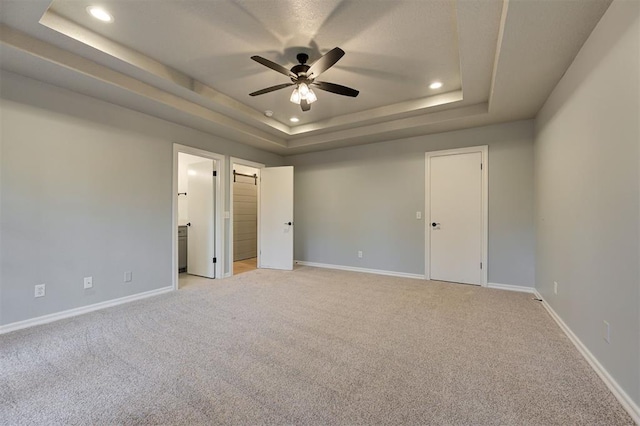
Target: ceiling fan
(304,76)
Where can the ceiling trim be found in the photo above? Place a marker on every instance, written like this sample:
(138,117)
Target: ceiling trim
(496,60)
(69,28)
(224,104)
(381,114)
(64,58)
(405,124)
(76,63)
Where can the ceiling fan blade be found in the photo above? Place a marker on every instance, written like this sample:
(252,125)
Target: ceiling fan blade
(306,106)
(327,61)
(271,89)
(335,88)
(276,67)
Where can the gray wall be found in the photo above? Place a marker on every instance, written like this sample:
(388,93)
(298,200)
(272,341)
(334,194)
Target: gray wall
(86,190)
(366,197)
(587,195)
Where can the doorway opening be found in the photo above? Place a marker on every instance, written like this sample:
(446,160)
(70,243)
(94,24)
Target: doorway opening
(244,202)
(456,213)
(198,234)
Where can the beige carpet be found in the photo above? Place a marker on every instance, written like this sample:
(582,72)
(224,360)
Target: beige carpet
(310,346)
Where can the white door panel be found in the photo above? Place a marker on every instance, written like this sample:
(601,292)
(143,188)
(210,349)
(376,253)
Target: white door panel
(276,218)
(456,228)
(201,209)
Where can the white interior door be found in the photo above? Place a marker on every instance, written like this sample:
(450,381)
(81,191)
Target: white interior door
(201,211)
(456,217)
(276,218)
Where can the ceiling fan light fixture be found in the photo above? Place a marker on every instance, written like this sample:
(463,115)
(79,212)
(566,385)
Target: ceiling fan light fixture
(295,96)
(303,89)
(311,97)
(303,92)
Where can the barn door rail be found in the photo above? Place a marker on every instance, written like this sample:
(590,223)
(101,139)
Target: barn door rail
(254,176)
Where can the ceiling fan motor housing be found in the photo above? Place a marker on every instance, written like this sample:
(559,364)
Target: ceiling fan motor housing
(301,69)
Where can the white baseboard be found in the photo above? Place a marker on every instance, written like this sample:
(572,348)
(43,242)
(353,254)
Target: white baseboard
(625,400)
(520,288)
(81,310)
(365,270)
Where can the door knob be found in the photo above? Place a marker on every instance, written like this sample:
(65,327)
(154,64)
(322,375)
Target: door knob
(288,223)
(434,224)
(189,224)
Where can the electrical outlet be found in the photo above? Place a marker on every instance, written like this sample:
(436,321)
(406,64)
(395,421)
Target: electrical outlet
(555,287)
(88,282)
(128,276)
(606,332)
(360,254)
(418,215)
(39,290)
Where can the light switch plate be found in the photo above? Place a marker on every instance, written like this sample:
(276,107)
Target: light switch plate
(418,215)
(88,282)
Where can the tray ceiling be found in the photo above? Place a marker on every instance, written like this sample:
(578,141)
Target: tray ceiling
(189,61)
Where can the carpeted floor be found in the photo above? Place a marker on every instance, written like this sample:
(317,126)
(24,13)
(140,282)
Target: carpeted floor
(311,346)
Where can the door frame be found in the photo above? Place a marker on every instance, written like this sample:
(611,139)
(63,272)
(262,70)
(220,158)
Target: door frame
(219,166)
(484,151)
(242,162)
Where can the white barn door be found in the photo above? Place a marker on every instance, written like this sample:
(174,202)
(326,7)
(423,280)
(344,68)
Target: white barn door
(456,226)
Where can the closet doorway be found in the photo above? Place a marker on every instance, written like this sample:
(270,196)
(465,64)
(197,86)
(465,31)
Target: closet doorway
(198,193)
(244,213)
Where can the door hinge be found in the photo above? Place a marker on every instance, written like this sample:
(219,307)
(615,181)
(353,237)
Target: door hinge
(215,260)
(480,166)
(480,265)
(215,173)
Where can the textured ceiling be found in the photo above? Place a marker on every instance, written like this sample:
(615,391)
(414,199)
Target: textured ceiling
(189,61)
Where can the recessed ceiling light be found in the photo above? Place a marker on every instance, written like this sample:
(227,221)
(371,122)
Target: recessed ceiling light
(294,119)
(268,113)
(435,85)
(100,13)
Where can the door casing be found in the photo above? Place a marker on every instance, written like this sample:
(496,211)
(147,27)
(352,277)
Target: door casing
(484,151)
(219,166)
